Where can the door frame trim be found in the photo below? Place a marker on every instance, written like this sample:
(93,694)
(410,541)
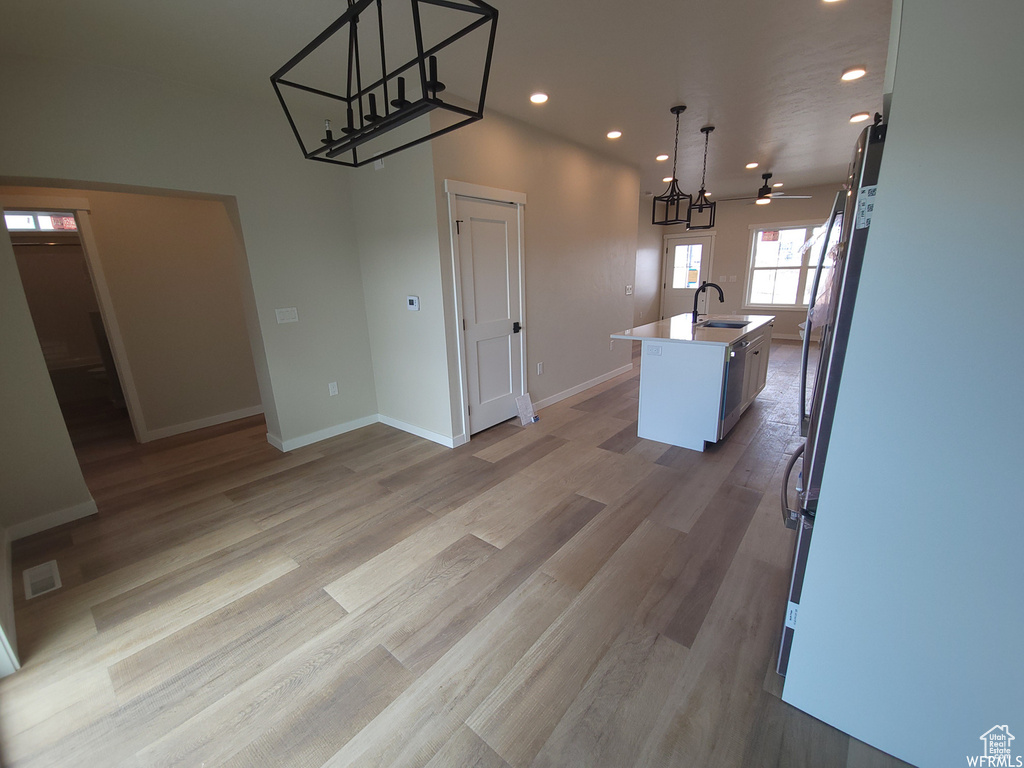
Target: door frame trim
(664,259)
(453,189)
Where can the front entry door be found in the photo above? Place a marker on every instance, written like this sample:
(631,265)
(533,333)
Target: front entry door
(490,265)
(687,264)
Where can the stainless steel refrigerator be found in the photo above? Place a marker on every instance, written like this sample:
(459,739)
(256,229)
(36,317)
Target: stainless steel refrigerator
(829,312)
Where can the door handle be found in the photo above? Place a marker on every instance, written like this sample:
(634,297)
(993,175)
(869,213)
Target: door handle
(516,327)
(790,516)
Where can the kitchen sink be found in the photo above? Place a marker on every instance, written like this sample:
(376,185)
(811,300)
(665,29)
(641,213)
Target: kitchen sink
(723,324)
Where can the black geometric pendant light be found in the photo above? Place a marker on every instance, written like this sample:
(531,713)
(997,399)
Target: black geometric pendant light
(375,72)
(673,207)
(702,210)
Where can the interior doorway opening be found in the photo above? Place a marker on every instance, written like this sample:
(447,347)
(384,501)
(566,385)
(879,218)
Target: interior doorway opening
(65,309)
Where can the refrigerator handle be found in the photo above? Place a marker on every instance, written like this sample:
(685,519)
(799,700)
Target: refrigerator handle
(790,516)
(806,351)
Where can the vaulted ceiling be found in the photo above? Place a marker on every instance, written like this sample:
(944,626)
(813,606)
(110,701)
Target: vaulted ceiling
(766,73)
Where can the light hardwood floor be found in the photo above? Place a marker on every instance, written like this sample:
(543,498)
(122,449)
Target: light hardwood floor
(564,594)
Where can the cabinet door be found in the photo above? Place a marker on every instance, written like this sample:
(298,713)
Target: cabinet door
(762,366)
(756,371)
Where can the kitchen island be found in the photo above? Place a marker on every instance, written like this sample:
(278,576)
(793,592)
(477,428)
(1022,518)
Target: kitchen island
(696,379)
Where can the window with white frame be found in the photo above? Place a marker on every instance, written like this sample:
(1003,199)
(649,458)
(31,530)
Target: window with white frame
(782,263)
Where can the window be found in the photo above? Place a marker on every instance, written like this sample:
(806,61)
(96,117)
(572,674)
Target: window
(686,266)
(29,221)
(782,264)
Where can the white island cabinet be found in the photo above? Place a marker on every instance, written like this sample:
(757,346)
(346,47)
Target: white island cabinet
(696,379)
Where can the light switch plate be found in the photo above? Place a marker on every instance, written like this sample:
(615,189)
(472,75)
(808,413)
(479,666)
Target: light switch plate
(412,303)
(332,388)
(287,315)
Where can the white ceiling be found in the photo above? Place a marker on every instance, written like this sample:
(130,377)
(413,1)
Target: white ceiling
(764,72)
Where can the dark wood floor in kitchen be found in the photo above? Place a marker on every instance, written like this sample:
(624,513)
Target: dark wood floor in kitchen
(564,594)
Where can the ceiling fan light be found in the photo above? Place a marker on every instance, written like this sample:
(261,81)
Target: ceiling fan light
(763,200)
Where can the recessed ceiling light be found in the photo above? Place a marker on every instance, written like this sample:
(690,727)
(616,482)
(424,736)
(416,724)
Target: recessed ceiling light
(666,180)
(539,98)
(751,165)
(661,158)
(854,73)
(777,184)
(860,117)
(763,200)
(831,1)
(614,134)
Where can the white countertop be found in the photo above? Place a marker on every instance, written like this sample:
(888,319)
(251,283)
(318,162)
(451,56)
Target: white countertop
(682,328)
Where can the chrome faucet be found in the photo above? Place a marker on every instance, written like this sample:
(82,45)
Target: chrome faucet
(703,287)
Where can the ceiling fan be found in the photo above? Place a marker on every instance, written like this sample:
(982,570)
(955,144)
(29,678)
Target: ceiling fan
(766,194)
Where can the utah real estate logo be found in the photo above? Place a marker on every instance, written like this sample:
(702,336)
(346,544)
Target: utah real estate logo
(998,750)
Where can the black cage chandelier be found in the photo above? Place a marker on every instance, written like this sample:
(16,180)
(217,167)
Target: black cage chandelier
(702,210)
(364,87)
(673,207)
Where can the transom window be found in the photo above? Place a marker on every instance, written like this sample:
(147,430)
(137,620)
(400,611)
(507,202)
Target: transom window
(782,264)
(38,221)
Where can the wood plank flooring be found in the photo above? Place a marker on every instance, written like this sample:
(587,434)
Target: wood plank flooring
(565,594)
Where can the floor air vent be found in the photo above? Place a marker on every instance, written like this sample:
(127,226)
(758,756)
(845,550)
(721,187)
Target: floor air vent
(41,579)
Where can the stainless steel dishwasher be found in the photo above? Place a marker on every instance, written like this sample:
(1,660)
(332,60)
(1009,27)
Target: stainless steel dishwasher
(732,394)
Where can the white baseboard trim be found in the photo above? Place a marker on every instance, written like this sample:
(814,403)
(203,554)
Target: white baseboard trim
(51,520)
(348,426)
(209,421)
(787,336)
(581,387)
(460,440)
(412,429)
(321,434)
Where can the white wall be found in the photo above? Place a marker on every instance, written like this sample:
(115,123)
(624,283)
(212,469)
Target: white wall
(98,124)
(647,275)
(580,243)
(396,228)
(912,616)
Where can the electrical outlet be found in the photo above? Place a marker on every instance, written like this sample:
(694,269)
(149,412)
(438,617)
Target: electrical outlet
(732,278)
(332,388)
(629,290)
(287,315)
(654,350)
(540,368)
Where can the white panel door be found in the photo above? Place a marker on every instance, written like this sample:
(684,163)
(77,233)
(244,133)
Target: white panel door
(490,266)
(687,262)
